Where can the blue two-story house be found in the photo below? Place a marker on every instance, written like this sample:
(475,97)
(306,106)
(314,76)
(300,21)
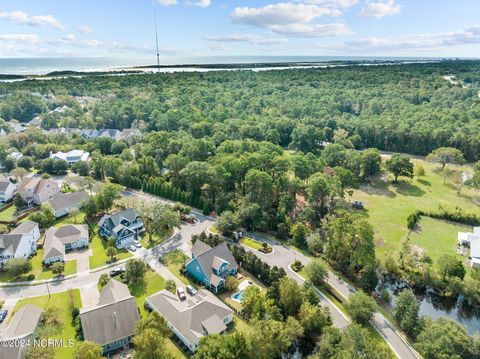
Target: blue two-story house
(124,226)
(211,266)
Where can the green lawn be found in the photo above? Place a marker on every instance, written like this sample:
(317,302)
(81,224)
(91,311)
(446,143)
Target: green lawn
(157,239)
(250,242)
(78,218)
(151,284)
(99,258)
(388,205)
(7,215)
(437,237)
(38,270)
(63,303)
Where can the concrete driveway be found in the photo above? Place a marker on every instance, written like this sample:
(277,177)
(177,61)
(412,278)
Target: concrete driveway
(89,295)
(82,258)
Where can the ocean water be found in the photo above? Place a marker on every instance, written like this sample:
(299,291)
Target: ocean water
(44,65)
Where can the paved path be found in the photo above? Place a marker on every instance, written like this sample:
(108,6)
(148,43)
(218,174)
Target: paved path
(283,256)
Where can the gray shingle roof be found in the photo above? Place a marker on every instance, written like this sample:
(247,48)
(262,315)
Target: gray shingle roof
(210,258)
(214,325)
(200,247)
(24,227)
(4,183)
(189,316)
(113,319)
(115,219)
(66,200)
(10,241)
(68,233)
(24,321)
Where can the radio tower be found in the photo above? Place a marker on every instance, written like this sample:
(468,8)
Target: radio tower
(156,39)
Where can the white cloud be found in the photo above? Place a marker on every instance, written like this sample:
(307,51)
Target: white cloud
(252,39)
(218,47)
(85,29)
(22,18)
(167,2)
(381,9)
(437,41)
(201,3)
(333,3)
(24,38)
(294,19)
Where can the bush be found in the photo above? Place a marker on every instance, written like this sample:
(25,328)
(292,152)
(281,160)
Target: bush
(297,266)
(316,272)
(413,219)
(170,285)
(17,266)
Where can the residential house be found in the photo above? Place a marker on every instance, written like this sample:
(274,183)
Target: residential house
(111,323)
(193,318)
(114,134)
(7,190)
(21,242)
(36,190)
(211,266)
(62,239)
(15,155)
(64,203)
(21,328)
(471,240)
(124,226)
(71,157)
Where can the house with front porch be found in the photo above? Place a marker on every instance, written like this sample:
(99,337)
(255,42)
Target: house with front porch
(21,242)
(211,266)
(65,238)
(124,226)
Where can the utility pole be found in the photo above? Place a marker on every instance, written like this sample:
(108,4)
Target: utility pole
(156,39)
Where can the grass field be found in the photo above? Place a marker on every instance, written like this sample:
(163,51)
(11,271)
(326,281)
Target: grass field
(7,215)
(63,302)
(387,205)
(151,284)
(174,261)
(157,238)
(99,258)
(437,237)
(250,242)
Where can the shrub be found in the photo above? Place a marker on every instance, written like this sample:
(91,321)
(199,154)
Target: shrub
(297,266)
(360,307)
(170,285)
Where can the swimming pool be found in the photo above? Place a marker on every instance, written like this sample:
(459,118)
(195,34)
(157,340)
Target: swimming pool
(241,288)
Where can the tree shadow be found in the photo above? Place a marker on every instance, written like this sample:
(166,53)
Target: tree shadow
(424,182)
(409,189)
(378,188)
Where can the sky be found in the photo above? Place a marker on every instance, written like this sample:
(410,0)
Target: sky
(189,28)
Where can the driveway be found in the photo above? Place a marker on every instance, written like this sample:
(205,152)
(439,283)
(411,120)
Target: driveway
(8,305)
(82,258)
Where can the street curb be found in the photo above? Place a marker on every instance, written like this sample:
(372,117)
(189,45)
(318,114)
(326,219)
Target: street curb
(37,282)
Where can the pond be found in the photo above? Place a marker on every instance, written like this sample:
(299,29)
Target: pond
(436,306)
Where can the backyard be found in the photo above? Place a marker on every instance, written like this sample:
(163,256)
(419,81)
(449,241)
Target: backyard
(7,215)
(150,285)
(62,304)
(387,205)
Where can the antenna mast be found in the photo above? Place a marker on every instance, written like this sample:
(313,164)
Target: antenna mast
(156,38)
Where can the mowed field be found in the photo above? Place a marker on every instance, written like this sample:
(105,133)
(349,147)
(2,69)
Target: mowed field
(387,206)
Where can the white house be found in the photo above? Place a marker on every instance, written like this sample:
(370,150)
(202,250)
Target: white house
(471,240)
(21,242)
(65,238)
(7,190)
(71,157)
(15,155)
(193,318)
(35,190)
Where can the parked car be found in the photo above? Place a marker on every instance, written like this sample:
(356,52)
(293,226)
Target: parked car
(191,290)
(3,315)
(181,293)
(137,244)
(116,271)
(132,248)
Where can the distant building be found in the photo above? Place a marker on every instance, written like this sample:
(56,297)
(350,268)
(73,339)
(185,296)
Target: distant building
(15,155)
(191,319)
(7,190)
(62,239)
(21,328)
(211,266)
(472,241)
(124,226)
(111,323)
(35,190)
(113,134)
(71,157)
(63,203)
(21,242)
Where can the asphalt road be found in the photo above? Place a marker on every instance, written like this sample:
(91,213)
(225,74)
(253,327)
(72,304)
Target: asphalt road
(282,256)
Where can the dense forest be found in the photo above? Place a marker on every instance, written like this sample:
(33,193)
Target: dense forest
(406,108)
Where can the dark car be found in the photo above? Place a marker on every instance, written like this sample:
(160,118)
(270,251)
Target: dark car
(116,272)
(3,315)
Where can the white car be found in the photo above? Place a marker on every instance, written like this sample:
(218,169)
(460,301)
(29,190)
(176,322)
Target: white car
(137,244)
(181,293)
(132,248)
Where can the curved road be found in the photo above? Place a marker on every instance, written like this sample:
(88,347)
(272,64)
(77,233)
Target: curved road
(281,257)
